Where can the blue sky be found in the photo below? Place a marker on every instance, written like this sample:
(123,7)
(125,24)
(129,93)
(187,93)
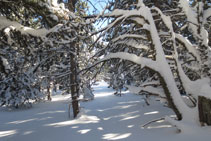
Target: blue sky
(98,5)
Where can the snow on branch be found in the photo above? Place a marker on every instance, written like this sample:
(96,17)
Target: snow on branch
(132,43)
(52,11)
(188,46)
(133,58)
(117,13)
(191,15)
(121,37)
(194,24)
(138,16)
(144,62)
(196,88)
(207,14)
(138,20)
(150,89)
(26,30)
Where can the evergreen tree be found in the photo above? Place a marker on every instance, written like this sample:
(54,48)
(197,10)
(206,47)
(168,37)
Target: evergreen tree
(168,43)
(39,48)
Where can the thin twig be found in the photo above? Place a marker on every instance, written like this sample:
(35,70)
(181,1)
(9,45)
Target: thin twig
(156,120)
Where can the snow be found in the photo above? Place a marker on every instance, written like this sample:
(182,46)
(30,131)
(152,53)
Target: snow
(105,118)
(12,25)
(88,95)
(192,18)
(160,64)
(133,58)
(128,36)
(5,63)
(164,68)
(190,47)
(134,44)
(191,15)
(58,10)
(157,91)
(206,15)
(197,88)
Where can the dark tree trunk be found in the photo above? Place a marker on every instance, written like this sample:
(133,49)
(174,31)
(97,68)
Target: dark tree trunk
(73,81)
(73,68)
(204,105)
(48,91)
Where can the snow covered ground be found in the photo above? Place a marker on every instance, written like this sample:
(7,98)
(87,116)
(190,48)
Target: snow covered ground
(107,117)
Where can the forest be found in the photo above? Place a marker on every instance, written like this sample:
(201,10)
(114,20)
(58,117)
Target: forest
(158,51)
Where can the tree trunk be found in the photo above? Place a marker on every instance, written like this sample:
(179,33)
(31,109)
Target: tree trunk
(73,81)
(204,106)
(73,68)
(49,91)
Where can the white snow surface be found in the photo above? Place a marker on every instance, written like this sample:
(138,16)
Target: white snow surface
(108,117)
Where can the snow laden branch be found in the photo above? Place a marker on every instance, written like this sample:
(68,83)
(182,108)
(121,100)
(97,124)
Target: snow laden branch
(152,91)
(121,16)
(144,62)
(196,24)
(50,10)
(190,47)
(132,43)
(166,76)
(129,36)
(175,36)
(12,25)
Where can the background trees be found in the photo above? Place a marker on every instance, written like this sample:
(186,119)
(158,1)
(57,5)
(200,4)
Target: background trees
(40,45)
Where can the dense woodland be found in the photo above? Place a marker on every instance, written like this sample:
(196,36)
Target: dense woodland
(152,48)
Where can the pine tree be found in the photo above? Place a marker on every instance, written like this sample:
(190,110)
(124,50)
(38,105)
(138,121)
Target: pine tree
(42,45)
(162,43)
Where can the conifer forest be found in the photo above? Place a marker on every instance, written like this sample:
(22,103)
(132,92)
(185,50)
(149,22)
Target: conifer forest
(92,70)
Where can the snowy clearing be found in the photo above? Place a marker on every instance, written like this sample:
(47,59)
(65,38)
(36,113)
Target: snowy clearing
(107,117)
